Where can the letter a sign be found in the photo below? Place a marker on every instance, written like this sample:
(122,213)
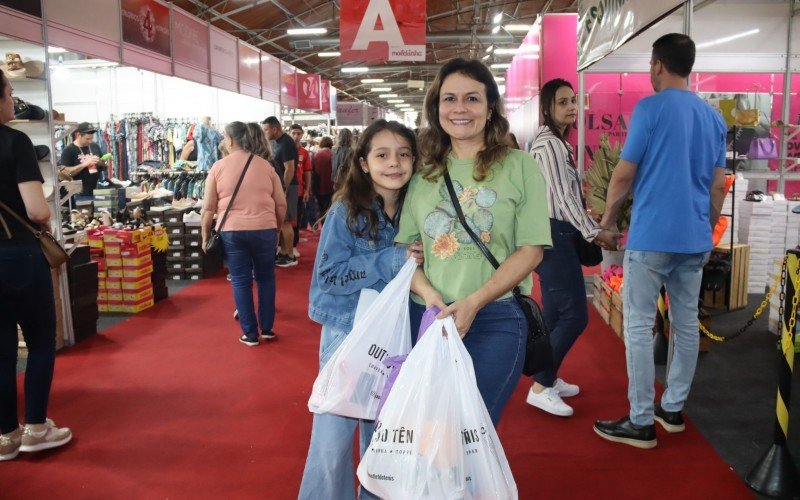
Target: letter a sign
(382,30)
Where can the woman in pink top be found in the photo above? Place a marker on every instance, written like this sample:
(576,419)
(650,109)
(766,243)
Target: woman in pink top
(249,237)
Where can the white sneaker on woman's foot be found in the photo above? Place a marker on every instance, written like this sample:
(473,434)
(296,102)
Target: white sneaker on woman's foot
(38,437)
(566,390)
(549,401)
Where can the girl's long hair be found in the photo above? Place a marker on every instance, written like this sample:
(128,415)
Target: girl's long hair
(358,192)
(435,142)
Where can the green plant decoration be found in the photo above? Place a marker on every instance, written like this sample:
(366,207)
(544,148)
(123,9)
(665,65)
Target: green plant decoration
(598,177)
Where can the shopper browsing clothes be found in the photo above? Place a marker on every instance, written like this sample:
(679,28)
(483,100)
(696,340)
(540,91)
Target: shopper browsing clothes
(357,240)
(674,158)
(26,294)
(81,159)
(563,293)
(502,192)
(323,172)
(250,232)
(286,159)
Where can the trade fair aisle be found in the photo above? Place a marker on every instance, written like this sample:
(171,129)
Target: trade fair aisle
(170,404)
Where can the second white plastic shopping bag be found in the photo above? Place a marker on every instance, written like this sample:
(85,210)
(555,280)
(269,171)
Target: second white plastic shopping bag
(351,382)
(434,438)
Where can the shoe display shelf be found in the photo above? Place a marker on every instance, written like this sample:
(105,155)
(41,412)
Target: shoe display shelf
(33,88)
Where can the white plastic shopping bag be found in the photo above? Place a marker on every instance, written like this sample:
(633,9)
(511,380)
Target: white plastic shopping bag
(351,382)
(434,438)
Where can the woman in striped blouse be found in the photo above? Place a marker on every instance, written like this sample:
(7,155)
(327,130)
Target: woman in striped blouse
(560,274)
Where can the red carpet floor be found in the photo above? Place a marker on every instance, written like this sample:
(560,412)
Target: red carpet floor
(170,405)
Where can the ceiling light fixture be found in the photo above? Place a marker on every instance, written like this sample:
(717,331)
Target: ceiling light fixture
(497,18)
(518,27)
(55,50)
(395,101)
(489,48)
(329,54)
(727,39)
(380,89)
(306,31)
(387,96)
(495,30)
(372,80)
(501,66)
(355,69)
(485,57)
(506,52)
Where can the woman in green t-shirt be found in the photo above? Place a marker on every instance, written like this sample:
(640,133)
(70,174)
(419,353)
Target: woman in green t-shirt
(502,194)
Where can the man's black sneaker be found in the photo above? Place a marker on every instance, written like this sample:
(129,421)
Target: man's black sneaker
(623,431)
(285,261)
(671,421)
(244,339)
(268,335)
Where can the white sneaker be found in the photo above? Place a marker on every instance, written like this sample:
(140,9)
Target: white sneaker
(296,253)
(44,436)
(191,218)
(566,390)
(549,401)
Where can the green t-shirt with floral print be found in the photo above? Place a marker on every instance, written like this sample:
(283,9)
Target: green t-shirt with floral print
(507,210)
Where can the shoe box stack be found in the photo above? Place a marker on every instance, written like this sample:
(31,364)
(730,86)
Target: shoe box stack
(755,224)
(185,257)
(159,276)
(778,227)
(737,192)
(125,270)
(83,281)
(109,199)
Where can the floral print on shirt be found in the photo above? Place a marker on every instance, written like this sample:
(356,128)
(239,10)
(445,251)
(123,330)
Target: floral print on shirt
(444,228)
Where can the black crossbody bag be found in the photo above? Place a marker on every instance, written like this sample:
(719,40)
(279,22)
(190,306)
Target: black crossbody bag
(538,352)
(214,245)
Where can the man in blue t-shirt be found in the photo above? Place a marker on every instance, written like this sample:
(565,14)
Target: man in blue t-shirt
(674,158)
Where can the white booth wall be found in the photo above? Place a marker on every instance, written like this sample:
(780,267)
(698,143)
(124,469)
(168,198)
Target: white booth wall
(94,94)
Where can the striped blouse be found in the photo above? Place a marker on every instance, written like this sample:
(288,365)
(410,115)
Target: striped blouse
(563,185)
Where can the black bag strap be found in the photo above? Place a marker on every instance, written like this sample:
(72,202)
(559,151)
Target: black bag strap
(235,192)
(478,242)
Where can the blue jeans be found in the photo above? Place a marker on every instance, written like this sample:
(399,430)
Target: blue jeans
(26,297)
(251,255)
(563,296)
(645,274)
(329,471)
(496,343)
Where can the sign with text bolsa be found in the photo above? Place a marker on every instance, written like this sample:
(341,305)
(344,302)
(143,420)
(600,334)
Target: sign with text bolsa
(382,30)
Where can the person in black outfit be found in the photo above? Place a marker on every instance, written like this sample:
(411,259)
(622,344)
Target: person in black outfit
(82,158)
(26,294)
(286,159)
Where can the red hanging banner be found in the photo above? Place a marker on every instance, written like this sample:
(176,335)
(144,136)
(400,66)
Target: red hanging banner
(325,96)
(308,92)
(382,30)
(145,23)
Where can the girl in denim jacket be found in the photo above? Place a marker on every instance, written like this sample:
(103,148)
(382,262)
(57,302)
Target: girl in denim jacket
(356,251)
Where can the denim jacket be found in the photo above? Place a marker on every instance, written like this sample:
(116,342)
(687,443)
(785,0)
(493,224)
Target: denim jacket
(347,263)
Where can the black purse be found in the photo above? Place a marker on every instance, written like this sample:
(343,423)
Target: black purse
(538,352)
(214,245)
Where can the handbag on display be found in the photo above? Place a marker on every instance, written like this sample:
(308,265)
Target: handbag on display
(746,117)
(214,245)
(538,352)
(763,148)
(52,249)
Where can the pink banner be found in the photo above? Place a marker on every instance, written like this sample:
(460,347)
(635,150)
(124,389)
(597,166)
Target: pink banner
(325,96)
(224,64)
(559,31)
(249,70)
(288,85)
(308,92)
(190,47)
(97,35)
(270,78)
